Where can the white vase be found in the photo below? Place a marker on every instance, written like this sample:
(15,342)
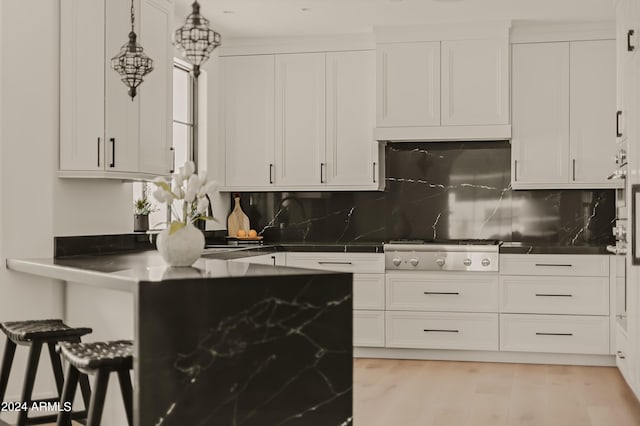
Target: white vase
(182,248)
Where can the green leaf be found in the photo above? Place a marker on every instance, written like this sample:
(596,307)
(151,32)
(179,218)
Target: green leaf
(163,185)
(175,227)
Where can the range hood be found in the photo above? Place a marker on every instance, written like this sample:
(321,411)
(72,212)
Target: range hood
(442,133)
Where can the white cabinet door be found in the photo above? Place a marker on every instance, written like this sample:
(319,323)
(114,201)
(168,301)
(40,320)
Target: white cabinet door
(625,48)
(249,99)
(82,85)
(156,92)
(122,115)
(540,147)
(408,84)
(475,82)
(300,120)
(592,100)
(352,154)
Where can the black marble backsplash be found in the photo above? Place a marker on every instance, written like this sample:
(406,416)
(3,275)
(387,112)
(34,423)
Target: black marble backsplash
(436,190)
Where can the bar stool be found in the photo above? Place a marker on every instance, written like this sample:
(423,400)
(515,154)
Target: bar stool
(35,334)
(99,359)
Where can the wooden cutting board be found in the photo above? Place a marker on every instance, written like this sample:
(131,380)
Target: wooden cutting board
(237,219)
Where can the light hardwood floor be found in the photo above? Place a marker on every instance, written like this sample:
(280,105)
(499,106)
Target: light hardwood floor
(443,393)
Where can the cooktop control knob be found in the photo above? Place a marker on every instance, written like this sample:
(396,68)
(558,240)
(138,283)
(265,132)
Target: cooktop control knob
(414,262)
(396,261)
(440,261)
(467,262)
(486,262)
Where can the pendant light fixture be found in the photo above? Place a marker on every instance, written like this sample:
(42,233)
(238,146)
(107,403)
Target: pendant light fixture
(195,39)
(131,62)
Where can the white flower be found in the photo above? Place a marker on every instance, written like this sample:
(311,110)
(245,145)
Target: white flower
(177,180)
(189,168)
(208,188)
(193,186)
(203,203)
(159,195)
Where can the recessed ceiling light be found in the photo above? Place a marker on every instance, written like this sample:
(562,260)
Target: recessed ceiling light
(228,12)
(306,9)
(447,1)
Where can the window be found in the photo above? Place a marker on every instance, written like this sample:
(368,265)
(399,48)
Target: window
(183,140)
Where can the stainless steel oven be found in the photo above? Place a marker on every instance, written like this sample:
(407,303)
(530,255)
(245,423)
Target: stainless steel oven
(621,225)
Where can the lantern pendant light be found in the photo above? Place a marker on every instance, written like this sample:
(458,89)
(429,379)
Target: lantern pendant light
(195,39)
(131,62)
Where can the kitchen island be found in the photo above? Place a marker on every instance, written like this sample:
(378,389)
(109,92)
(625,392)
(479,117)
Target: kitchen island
(226,342)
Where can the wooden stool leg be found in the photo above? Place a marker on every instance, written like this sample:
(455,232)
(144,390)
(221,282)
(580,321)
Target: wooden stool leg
(127,393)
(29,380)
(97,398)
(7,361)
(85,389)
(68,393)
(56,364)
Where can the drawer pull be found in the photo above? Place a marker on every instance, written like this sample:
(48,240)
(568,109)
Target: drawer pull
(334,263)
(553,295)
(621,355)
(442,292)
(554,334)
(555,264)
(441,331)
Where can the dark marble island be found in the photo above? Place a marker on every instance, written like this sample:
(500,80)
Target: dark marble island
(228,342)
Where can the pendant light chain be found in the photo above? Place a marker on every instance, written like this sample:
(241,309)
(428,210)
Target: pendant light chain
(132,17)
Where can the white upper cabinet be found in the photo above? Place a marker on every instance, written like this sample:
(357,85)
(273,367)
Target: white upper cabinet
(156,93)
(408,84)
(249,99)
(540,148)
(444,82)
(592,100)
(351,151)
(563,127)
(300,119)
(103,133)
(475,82)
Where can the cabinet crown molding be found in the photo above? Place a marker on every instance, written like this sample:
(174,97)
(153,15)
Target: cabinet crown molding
(444,31)
(283,45)
(524,31)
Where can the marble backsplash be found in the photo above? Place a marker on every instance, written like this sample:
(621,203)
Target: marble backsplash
(437,191)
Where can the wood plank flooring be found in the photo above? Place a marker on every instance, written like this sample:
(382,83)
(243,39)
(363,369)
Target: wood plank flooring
(435,393)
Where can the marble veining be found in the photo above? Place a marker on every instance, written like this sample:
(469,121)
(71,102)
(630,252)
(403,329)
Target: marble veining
(264,353)
(453,190)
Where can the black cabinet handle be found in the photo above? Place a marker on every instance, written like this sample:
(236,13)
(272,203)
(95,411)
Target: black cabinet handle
(620,355)
(573,169)
(271,173)
(334,263)
(553,295)
(98,151)
(568,265)
(173,159)
(113,152)
(554,334)
(630,48)
(441,331)
(322,173)
(451,293)
(515,172)
(618,133)
(374,172)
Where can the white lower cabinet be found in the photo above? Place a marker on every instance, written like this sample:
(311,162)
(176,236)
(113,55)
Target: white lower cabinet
(368,328)
(368,289)
(442,330)
(575,334)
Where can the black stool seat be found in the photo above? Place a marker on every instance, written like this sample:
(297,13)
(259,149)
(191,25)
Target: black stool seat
(35,334)
(99,359)
(44,330)
(114,355)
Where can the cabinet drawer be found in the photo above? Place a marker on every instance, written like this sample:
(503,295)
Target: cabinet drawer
(428,330)
(364,263)
(622,353)
(554,295)
(368,291)
(368,328)
(436,291)
(554,333)
(555,264)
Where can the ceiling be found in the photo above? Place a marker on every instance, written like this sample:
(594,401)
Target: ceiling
(276,18)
